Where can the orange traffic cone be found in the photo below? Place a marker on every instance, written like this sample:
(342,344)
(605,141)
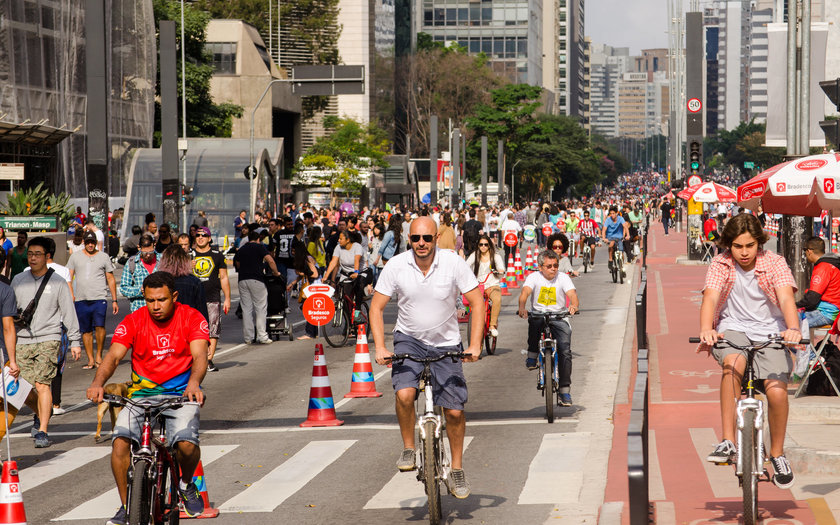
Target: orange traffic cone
(361,382)
(504,287)
(511,275)
(11,497)
(520,275)
(201,485)
(321,406)
(528,262)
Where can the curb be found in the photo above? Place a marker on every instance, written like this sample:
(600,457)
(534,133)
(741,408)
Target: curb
(805,460)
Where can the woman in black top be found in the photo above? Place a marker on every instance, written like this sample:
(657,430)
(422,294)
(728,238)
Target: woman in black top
(190,289)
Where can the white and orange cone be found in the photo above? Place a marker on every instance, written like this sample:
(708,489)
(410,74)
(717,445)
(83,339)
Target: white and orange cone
(361,382)
(321,405)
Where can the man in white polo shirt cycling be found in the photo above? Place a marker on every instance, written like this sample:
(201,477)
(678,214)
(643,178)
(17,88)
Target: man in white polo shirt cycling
(429,283)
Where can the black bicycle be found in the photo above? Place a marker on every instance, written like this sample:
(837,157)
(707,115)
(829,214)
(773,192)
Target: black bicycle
(548,361)
(749,456)
(154,473)
(435,459)
(343,325)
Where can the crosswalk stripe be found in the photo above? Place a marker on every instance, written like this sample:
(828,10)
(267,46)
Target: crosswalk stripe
(560,457)
(268,493)
(104,505)
(403,491)
(60,465)
(723,481)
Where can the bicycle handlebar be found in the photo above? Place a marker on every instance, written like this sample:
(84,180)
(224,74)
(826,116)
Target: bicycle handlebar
(171,402)
(424,360)
(551,316)
(773,339)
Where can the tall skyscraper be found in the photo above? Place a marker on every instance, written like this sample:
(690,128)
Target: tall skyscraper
(607,67)
(563,54)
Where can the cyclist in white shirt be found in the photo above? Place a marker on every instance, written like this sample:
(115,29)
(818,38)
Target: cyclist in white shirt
(429,283)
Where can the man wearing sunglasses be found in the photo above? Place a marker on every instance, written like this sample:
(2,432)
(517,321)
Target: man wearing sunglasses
(429,283)
(211,270)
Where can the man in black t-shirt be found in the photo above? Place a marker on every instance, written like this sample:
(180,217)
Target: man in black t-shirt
(332,240)
(253,295)
(472,230)
(211,269)
(283,256)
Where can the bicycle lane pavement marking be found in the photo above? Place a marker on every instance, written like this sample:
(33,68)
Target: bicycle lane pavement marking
(104,505)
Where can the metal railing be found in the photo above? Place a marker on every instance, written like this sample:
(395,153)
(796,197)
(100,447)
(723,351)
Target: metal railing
(638,474)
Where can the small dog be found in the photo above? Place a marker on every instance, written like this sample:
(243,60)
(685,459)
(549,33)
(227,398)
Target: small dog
(117,389)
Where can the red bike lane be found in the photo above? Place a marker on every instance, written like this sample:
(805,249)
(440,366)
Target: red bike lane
(684,414)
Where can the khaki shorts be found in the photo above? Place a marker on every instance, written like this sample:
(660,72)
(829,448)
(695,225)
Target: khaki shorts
(38,362)
(770,363)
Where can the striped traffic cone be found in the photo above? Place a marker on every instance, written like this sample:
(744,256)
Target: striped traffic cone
(201,485)
(361,382)
(528,262)
(511,275)
(504,287)
(520,274)
(11,496)
(321,406)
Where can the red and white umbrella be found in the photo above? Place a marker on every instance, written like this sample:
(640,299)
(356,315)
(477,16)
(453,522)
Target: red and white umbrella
(826,190)
(708,192)
(788,187)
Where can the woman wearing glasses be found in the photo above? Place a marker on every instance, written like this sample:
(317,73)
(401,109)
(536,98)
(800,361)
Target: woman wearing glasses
(488,266)
(559,244)
(350,258)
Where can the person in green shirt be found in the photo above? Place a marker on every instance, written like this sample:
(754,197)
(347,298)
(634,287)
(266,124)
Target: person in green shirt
(17,258)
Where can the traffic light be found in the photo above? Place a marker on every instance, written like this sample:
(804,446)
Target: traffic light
(186,198)
(250,172)
(831,128)
(694,156)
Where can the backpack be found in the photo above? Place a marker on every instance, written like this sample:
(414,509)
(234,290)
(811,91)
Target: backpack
(818,384)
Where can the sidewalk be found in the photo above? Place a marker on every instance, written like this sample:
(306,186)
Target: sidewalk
(684,419)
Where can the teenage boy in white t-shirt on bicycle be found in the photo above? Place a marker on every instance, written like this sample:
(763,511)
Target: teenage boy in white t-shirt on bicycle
(549,290)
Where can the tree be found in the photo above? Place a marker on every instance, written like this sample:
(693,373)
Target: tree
(447,82)
(341,159)
(254,12)
(204,117)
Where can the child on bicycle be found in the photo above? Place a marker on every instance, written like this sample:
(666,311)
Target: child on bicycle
(614,231)
(549,291)
(748,294)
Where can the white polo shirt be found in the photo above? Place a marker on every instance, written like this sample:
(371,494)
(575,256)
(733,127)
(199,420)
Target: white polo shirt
(427,304)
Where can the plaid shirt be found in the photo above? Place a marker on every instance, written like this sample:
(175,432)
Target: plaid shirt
(771,272)
(131,283)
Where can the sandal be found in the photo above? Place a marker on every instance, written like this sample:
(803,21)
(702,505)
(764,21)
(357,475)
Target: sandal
(89,367)
(304,337)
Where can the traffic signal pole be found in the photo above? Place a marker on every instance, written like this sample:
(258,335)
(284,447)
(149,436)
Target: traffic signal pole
(694,109)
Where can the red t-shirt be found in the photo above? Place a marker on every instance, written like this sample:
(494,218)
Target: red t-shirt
(160,352)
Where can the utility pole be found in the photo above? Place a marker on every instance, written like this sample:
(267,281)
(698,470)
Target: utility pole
(456,168)
(433,156)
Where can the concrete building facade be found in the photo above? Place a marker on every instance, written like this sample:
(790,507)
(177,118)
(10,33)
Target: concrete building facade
(607,67)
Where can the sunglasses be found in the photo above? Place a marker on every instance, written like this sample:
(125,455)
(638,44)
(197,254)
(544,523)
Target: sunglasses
(557,247)
(483,244)
(426,238)
(201,235)
(550,266)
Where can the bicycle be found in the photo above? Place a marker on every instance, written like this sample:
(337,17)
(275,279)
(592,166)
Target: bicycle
(617,269)
(488,339)
(342,326)
(549,368)
(749,467)
(434,457)
(586,254)
(154,473)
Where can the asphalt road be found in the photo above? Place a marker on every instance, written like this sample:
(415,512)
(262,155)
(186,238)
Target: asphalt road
(261,467)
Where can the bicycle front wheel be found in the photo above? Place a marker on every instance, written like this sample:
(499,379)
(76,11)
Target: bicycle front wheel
(430,472)
(548,391)
(140,494)
(620,264)
(749,481)
(167,500)
(337,330)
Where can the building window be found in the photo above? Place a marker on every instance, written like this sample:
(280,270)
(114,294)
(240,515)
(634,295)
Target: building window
(224,57)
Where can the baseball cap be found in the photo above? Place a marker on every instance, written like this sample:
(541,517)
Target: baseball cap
(90,236)
(205,230)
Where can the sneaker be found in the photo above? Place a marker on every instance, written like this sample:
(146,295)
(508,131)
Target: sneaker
(782,473)
(494,332)
(36,426)
(191,501)
(458,484)
(531,364)
(564,400)
(610,265)
(211,367)
(357,317)
(120,518)
(723,453)
(42,440)
(406,461)
(264,341)
(57,411)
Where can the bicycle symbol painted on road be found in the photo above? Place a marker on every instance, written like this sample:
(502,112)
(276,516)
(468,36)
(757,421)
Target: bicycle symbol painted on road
(694,373)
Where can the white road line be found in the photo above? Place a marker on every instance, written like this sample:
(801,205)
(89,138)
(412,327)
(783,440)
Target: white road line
(376,426)
(345,400)
(660,298)
(229,350)
(60,465)
(657,487)
(560,457)
(104,505)
(270,491)
(722,479)
(403,491)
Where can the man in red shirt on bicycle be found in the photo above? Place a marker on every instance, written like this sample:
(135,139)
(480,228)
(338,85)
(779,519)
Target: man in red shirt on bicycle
(168,342)
(589,231)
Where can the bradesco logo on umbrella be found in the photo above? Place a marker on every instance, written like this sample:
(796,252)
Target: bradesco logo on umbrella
(829,185)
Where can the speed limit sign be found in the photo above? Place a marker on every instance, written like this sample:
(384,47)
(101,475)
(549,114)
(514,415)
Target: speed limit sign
(694,105)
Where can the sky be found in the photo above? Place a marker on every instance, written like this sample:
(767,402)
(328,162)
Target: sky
(637,24)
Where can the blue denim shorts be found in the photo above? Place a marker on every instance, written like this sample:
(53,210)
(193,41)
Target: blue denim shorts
(450,386)
(90,314)
(181,423)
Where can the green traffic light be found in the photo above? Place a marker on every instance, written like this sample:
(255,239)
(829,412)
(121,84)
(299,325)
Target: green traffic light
(695,165)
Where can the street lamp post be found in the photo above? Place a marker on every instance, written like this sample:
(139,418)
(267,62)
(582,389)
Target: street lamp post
(513,181)
(183,121)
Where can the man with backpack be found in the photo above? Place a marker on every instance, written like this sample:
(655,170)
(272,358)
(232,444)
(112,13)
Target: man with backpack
(472,230)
